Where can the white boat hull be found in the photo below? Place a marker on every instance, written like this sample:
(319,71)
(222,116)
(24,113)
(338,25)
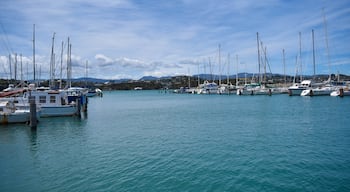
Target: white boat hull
(317,92)
(20,116)
(67,110)
(338,93)
(295,92)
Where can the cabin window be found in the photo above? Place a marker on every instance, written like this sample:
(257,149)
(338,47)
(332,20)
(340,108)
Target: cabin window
(42,99)
(52,99)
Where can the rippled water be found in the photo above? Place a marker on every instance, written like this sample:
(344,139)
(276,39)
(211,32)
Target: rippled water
(151,141)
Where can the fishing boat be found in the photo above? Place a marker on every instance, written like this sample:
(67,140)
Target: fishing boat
(49,102)
(52,103)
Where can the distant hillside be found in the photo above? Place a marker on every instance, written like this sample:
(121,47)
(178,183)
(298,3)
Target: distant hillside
(207,77)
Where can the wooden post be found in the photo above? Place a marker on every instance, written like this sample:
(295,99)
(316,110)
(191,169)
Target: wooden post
(341,92)
(32,107)
(78,106)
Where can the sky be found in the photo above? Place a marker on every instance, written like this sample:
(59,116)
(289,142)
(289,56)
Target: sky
(115,39)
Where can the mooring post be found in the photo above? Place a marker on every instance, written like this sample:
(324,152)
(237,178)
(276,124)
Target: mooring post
(78,106)
(33,121)
(341,92)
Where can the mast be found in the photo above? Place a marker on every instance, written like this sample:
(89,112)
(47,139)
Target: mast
(15,67)
(301,65)
(34,53)
(265,62)
(219,65)
(211,71)
(61,66)
(10,58)
(70,65)
(189,78)
(326,33)
(313,53)
(284,68)
(21,69)
(67,63)
(257,41)
(228,68)
(198,76)
(52,72)
(236,70)
(69,46)
(86,72)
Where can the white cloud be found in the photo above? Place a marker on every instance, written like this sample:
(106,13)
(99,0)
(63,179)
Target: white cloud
(126,38)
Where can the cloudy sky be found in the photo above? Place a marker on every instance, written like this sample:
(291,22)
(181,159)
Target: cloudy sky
(134,38)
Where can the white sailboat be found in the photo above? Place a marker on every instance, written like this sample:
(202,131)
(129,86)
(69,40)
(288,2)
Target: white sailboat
(329,86)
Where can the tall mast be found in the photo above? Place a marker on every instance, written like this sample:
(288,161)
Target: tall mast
(284,68)
(219,65)
(61,66)
(265,62)
(86,72)
(15,67)
(313,53)
(228,69)
(10,64)
(326,33)
(257,41)
(301,65)
(189,78)
(67,84)
(198,76)
(52,72)
(236,70)
(21,68)
(34,53)
(70,65)
(211,72)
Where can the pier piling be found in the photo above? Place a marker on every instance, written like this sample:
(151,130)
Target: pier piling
(78,103)
(33,121)
(341,92)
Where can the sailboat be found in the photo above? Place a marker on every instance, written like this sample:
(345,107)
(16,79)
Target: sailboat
(260,87)
(328,86)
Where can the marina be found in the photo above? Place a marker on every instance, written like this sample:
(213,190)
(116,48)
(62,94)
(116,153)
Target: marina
(183,96)
(152,141)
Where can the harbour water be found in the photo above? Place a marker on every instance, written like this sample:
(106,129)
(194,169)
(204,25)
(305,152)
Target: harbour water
(152,141)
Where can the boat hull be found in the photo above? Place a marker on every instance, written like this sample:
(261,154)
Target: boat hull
(295,92)
(16,117)
(68,110)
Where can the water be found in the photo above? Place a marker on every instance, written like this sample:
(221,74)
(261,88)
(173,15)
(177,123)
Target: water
(151,141)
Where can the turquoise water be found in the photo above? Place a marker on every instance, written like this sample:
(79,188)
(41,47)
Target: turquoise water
(151,141)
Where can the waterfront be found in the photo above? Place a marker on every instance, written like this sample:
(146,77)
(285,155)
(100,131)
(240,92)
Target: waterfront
(151,141)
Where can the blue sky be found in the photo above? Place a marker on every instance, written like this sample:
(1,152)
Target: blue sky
(135,38)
